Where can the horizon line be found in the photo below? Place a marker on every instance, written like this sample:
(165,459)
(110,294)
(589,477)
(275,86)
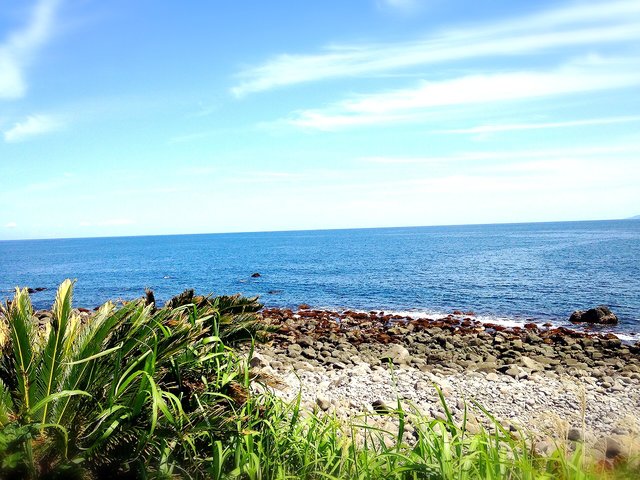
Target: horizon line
(636,217)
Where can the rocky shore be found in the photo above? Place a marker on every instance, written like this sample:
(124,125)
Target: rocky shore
(558,385)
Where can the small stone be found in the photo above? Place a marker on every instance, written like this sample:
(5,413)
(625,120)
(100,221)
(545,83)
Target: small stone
(323,403)
(294,350)
(612,448)
(309,352)
(258,361)
(380,407)
(574,435)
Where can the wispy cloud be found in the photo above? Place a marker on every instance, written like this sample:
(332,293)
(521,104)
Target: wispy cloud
(541,125)
(577,24)
(266,177)
(608,151)
(20,47)
(401,5)
(586,75)
(10,225)
(33,126)
(111,222)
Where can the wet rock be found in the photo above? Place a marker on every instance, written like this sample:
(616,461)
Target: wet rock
(36,290)
(600,315)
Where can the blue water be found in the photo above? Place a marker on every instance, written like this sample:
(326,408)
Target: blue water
(539,271)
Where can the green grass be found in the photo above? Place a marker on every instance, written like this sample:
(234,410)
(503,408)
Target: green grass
(140,392)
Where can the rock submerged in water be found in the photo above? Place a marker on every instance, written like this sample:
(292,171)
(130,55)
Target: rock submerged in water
(601,314)
(35,290)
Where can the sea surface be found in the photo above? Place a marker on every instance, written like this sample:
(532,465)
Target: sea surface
(511,273)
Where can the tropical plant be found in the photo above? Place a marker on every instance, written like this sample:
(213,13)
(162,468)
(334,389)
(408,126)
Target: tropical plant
(234,317)
(121,392)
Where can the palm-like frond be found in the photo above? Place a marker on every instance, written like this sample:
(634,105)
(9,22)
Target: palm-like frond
(51,367)
(24,345)
(105,393)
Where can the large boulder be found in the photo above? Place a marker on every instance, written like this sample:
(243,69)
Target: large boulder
(600,314)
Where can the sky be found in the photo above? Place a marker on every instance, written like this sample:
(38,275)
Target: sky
(147,117)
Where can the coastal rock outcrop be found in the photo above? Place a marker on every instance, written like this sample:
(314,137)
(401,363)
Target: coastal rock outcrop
(600,314)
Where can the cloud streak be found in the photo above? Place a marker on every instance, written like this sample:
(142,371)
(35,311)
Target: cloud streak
(482,157)
(33,126)
(577,25)
(542,125)
(587,75)
(20,48)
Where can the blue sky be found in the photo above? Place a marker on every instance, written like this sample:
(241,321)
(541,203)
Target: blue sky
(146,117)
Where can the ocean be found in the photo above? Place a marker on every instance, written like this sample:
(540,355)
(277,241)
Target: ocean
(512,273)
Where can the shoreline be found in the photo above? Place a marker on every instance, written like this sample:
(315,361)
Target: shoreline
(558,384)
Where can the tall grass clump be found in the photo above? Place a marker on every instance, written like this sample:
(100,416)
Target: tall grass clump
(289,443)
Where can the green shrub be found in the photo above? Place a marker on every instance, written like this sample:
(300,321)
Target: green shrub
(128,390)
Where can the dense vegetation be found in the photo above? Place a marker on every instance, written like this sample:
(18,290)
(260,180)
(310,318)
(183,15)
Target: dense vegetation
(139,392)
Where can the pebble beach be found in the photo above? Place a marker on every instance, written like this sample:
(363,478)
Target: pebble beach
(557,386)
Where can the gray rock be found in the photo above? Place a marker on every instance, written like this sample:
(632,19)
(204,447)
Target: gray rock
(531,364)
(309,352)
(294,350)
(575,435)
(488,367)
(611,447)
(397,354)
(258,361)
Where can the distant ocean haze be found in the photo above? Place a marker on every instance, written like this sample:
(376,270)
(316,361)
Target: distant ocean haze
(511,273)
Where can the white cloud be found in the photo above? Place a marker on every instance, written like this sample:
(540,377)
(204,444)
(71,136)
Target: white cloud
(542,125)
(10,225)
(33,126)
(19,48)
(578,24)
(588,75)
